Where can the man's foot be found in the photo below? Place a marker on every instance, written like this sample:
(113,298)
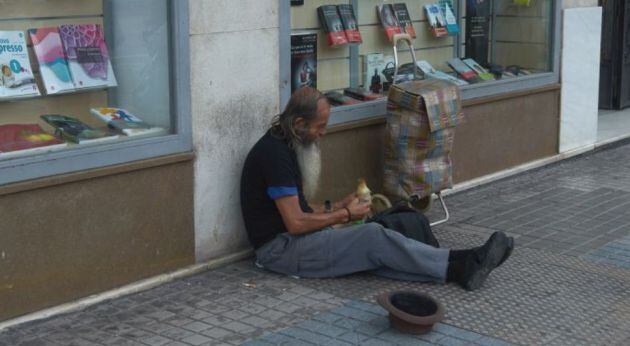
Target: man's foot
(508,252)
(510,248)
(483,260)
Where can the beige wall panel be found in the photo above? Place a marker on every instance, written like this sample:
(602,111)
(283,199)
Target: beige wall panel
(305,16)
(506,133)
(49,8)
(326,52)
(68,241)
(517,29)
(375,40)
(361,157)
(333,74)
(75,105)
(523,54)
(367,10)
(23,25)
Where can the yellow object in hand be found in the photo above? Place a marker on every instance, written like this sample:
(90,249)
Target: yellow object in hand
(363,192)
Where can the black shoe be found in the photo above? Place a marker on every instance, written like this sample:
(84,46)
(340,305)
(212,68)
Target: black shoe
(508,251)
(507,254)
(484,259)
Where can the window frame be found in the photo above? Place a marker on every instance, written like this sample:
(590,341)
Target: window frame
(96,156)
(376,109)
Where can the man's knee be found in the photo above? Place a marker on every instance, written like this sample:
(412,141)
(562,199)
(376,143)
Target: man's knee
(374,230)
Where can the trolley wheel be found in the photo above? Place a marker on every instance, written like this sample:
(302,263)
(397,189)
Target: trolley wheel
(421,204)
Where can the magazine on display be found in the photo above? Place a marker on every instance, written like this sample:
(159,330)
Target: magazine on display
(482,72)
(436,20)
(303,60)
(16,74)
(88,57)
(26,139)
(431,72)
(331,23)
(388,20)
(404,19)
(53,64)
(463,70)
(349,21)
(77,131)
(124,122)
(446,6)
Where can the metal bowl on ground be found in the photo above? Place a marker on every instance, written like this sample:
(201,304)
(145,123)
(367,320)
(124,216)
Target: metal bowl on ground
(411,312)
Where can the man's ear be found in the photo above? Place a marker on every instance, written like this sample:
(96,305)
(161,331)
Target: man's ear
(299,123)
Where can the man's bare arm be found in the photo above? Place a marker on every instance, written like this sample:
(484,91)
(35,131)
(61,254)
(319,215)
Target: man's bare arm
(298,222)
(320,208)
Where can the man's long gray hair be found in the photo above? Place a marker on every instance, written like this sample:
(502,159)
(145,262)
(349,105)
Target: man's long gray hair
(303,103)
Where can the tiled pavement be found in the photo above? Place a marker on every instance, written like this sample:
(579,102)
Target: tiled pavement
(567,283)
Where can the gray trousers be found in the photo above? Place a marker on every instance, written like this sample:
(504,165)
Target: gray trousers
(365,247)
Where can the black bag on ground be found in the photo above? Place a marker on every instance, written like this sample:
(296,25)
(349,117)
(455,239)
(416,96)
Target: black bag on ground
(408,222)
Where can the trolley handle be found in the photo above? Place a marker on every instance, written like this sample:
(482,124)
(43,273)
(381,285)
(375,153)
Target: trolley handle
(407,38)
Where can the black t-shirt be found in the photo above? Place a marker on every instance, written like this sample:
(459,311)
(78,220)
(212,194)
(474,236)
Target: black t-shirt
(271,171)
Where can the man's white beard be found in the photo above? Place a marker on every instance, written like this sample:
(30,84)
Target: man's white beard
(309,161)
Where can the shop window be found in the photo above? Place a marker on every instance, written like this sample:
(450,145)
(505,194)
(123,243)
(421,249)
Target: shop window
(90,79)
(507,44)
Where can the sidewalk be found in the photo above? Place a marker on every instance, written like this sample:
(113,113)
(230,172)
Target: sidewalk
(567,282)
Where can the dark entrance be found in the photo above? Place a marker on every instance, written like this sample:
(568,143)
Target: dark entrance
(614,79)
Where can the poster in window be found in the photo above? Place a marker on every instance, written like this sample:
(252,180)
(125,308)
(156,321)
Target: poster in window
(478,30)
(303,60)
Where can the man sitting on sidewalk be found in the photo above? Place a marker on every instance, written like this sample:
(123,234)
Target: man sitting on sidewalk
(293,237)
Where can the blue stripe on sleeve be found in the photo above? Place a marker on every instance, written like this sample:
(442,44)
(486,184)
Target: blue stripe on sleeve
(276,192)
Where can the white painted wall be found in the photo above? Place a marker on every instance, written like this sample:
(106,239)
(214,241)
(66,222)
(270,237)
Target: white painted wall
(235,93)
(581,37)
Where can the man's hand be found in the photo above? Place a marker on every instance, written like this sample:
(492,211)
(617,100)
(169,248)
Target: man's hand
(345,201)
(358,210)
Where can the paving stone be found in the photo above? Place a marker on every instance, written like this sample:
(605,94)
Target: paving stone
(156,340)
(282,339)
(238,327)
(196,326)
(217,332)
(196,339)
(272,315)
(177,333)
(257,322)
(321,328)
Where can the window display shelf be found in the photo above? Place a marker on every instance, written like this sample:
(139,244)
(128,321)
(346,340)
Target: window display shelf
(492,38)
(47,96)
